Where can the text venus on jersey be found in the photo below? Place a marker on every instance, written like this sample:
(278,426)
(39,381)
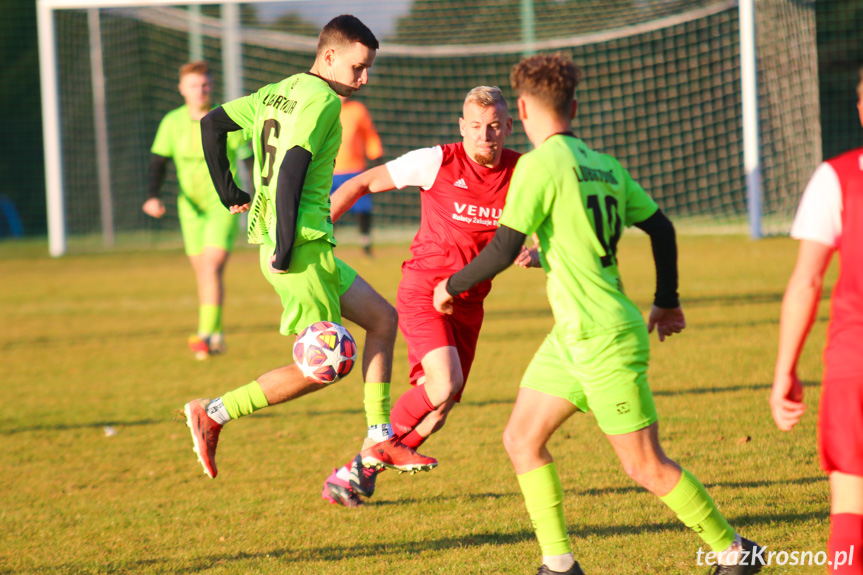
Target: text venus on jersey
(480,211)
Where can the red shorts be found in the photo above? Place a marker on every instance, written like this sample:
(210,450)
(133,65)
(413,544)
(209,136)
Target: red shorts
(840,424)
(426,330)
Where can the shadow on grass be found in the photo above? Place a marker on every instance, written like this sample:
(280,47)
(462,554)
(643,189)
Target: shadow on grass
(138,334)
(400,550)
(724,389)
(737,299)
(627,489)
(750,484)
(92,425)
(590,492)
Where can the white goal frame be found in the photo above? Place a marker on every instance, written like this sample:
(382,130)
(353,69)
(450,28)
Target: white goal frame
(232,50)
(51,128)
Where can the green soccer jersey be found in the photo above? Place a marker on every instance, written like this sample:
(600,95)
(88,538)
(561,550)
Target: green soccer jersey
(301,110)
(577,201)
(179,138)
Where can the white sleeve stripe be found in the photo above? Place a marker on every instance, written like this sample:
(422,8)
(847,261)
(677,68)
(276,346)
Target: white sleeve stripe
(819,216)
(416,168)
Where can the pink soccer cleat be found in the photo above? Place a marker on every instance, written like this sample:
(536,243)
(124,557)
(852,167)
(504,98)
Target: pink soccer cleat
(338,491)
(205,434)
(396,455)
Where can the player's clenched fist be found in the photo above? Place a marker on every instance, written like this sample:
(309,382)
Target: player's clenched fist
(666,322)
(154,207)
(442,300)
(786,401)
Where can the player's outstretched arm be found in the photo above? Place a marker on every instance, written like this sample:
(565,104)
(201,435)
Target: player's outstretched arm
(214,139)
(373,181)
(498,255)
(799,307)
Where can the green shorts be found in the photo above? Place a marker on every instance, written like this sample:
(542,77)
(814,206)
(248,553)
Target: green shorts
(311,289)
(606,374)
(215,227)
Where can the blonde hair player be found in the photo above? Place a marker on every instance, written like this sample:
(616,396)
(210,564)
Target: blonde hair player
(463,187)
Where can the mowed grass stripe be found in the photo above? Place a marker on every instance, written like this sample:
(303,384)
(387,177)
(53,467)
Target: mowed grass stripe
(98,340)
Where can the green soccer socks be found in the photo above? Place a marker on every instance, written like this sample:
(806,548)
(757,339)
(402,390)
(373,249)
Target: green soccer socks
(696,509)
(543,496)
(245,400)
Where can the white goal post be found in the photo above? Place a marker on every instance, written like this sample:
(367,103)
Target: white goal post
(51,107)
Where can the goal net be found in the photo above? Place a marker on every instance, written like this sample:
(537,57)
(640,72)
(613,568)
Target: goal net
(661,92)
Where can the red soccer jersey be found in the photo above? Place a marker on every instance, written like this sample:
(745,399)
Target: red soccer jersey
(459,215)
(844,353)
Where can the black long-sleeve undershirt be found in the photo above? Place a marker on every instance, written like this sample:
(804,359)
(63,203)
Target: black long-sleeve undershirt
(506,244)
(663,241)
(289,191)
(158,167)
(498,255)
(214,139)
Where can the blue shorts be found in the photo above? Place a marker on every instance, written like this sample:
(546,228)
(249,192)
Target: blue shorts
(364,204)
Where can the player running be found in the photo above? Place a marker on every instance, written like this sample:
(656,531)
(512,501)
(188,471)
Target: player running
(830,219)
(294,125)
(209,230)
(595,358)
(463,187)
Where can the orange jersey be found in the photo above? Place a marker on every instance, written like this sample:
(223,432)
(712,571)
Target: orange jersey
(360,140)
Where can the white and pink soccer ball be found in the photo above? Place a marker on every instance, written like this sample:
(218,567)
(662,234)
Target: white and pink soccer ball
(325,352)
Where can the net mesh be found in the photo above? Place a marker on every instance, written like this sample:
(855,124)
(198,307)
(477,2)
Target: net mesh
(840,36)
(661,92)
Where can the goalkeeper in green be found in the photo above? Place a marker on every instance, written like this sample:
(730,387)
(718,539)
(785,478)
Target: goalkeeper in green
(577,201)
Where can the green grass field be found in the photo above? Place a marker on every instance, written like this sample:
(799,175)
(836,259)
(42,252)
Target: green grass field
(99,340)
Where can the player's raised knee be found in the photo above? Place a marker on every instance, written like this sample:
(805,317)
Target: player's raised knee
(513,442)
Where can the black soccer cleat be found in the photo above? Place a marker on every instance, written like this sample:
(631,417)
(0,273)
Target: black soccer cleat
(363,478)
(574,570)
(751,561)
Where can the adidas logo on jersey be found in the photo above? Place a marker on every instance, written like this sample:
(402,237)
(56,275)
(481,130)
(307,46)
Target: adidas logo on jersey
(460,184)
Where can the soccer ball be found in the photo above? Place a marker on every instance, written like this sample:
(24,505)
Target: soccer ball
(325,352)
